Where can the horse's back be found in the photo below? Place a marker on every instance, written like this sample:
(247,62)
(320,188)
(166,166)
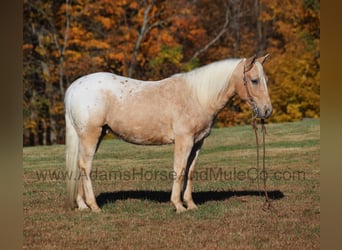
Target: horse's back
(106,98)
(91,84)
(98,83)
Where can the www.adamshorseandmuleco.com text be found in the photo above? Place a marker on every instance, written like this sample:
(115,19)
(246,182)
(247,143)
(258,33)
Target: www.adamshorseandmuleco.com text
(206,174)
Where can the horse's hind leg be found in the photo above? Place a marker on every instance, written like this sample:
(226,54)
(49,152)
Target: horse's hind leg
(88,146)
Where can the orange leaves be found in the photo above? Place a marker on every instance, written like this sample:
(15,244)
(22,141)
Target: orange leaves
(134,5)
(294,68)
(196,34)
(84,40)
(117,56)
(106,22)
(154,39)
(96,44)
(27,46)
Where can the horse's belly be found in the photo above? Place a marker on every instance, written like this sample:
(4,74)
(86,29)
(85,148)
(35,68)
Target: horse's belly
(146,131)
(144,136)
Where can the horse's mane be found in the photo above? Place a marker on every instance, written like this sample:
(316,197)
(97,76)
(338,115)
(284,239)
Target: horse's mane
(210,80)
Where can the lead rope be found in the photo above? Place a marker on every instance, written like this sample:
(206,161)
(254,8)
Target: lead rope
(267,204)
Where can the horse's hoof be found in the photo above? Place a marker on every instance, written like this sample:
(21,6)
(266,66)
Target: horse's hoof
(82,209)
(192,207)
(96,209)
(180,209)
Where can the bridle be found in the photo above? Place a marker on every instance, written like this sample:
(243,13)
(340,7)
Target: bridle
(250,97)
(267,204)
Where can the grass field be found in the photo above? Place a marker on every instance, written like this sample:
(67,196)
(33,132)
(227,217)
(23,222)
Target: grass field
(133,185)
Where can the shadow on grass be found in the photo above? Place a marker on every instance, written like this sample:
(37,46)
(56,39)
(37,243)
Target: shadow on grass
(163,196)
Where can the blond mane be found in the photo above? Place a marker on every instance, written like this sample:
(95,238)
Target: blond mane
(209,81)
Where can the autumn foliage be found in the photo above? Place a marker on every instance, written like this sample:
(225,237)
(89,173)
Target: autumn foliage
(151,40)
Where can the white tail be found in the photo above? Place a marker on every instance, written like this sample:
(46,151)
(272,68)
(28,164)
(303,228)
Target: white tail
(72,147)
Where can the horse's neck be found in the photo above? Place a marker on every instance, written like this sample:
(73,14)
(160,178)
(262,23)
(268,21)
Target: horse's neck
(222,100)
(228,93)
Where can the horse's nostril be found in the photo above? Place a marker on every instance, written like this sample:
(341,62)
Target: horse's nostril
(268,112)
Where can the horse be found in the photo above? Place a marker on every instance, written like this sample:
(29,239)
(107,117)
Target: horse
(178,110)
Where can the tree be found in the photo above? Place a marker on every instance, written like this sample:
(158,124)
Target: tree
(294,69)
(41,33)
(153,39)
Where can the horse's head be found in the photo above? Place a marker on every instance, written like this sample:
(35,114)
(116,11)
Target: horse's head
(253,86)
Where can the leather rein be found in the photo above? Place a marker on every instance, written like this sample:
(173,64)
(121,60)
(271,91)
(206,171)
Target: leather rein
(267,204)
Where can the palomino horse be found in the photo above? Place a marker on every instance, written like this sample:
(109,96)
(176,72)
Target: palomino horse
(179,109)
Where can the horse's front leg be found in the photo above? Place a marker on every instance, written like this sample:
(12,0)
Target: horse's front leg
(189,174)
(183,146)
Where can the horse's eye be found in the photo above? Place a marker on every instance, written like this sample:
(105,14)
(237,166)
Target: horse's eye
(255,81)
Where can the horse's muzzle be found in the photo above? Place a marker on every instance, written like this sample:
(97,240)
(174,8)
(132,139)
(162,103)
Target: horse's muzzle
(267,112)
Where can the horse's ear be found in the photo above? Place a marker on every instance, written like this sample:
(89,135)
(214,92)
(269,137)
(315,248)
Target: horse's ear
(263,59)
(249,63)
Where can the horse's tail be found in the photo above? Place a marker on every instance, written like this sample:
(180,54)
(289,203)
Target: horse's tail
(72,147)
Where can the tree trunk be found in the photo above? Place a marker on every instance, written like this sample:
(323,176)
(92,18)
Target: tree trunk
(141,35)
(260,37)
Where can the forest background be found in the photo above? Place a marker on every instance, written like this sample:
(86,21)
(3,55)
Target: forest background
(151,40)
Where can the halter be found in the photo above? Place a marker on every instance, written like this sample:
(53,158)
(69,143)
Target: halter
(250,97)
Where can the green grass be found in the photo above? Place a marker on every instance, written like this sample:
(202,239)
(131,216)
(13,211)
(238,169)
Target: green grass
(136,212)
